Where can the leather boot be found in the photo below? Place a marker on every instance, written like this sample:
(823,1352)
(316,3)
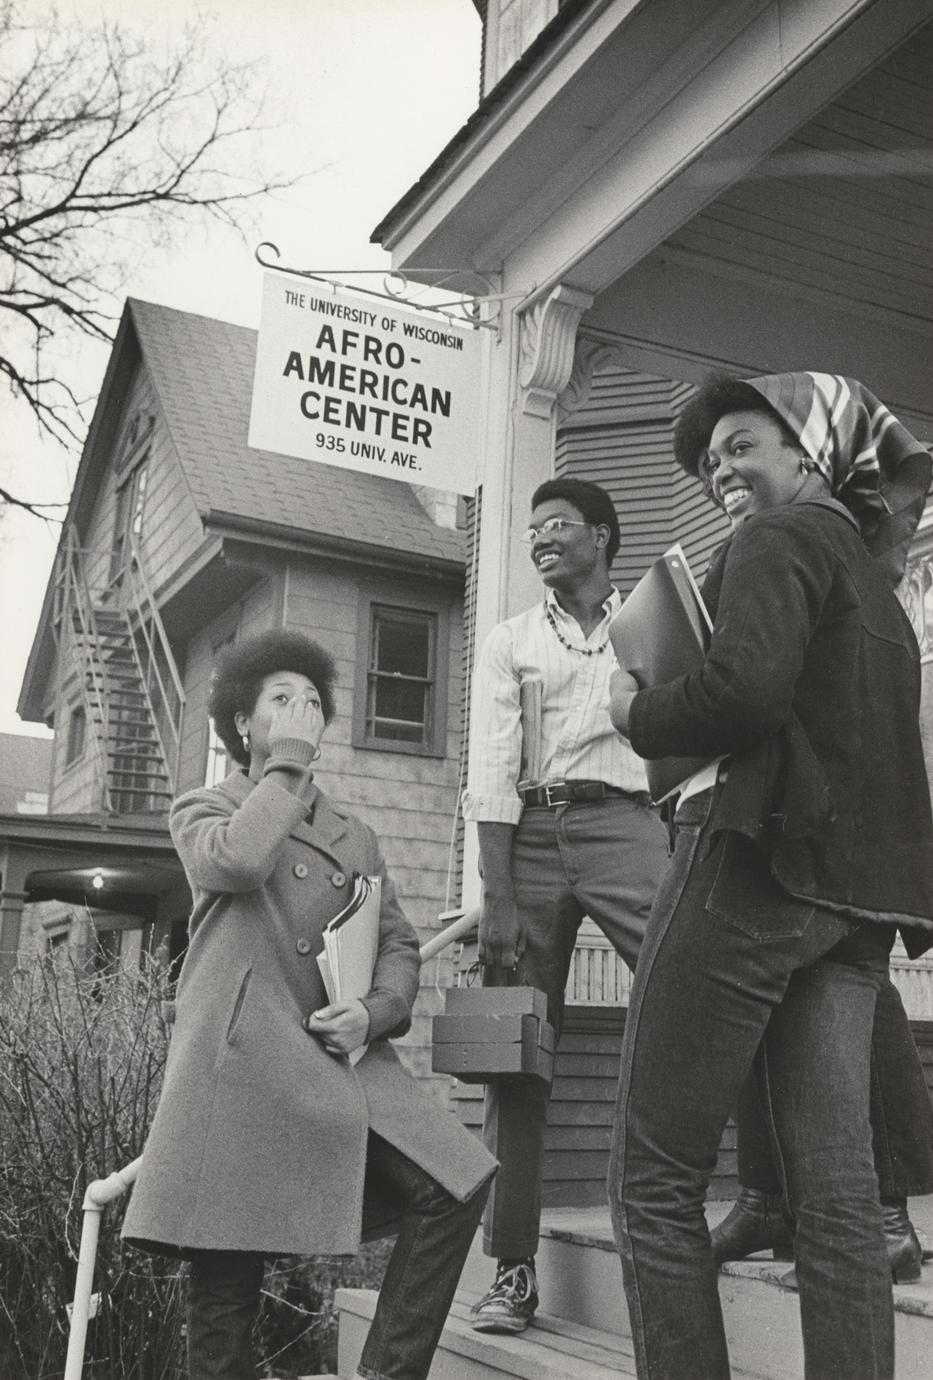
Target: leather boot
(755,1223)
(904,1252)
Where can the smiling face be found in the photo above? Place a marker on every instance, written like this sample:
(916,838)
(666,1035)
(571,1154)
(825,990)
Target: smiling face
(275,692)
(751,465)
(571,555)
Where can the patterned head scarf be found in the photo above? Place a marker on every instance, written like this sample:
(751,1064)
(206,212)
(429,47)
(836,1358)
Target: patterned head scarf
(872,463)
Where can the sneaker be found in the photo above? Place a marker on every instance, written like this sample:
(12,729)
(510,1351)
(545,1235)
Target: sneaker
(510,1304)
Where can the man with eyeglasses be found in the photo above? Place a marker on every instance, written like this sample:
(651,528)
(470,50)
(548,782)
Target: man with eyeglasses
(580,839)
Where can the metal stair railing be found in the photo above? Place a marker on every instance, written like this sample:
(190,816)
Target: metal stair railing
(78,624)
(103,1191)
(152,630)
(155,674)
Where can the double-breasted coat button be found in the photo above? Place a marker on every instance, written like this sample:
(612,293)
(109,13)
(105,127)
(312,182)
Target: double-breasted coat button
(339,879)
(300,869)
(303,946)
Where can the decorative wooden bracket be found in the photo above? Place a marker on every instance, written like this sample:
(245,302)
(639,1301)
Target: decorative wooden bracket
(549,329)
(588,356)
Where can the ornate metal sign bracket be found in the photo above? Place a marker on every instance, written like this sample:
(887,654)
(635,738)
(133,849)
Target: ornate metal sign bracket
(462,307)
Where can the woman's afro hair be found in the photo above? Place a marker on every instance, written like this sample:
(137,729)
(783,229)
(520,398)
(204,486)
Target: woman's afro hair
(241,669)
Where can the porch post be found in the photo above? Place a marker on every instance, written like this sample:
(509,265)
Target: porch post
(529,368)
(547,336)
(12,903)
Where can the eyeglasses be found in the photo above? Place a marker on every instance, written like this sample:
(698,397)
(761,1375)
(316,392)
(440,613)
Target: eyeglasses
(551,528)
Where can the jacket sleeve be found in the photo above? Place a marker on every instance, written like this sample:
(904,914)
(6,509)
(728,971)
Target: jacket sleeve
(775,582)
(234,848)
(398,963)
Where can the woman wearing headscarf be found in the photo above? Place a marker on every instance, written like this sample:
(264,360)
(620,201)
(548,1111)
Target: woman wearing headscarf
(798,855)
(269,1139)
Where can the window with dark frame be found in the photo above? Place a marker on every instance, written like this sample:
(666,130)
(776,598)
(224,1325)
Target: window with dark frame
(400,679)
(77,734)
(128,520)
(401,676)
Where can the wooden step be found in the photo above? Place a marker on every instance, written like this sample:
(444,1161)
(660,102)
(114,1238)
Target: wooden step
(583,1322)
(550,1349)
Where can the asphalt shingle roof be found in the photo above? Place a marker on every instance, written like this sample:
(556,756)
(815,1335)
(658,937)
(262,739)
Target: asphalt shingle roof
(202,371)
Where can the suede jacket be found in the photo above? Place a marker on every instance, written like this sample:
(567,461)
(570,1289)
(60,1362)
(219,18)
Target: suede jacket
(812,687)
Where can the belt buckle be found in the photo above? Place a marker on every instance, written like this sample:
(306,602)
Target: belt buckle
(555,786)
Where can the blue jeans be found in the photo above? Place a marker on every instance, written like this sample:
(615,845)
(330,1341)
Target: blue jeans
(420,1280)
(603,859)
(731,963)
(900,1109)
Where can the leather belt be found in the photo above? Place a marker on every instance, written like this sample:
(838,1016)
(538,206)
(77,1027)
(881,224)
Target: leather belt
(576,793)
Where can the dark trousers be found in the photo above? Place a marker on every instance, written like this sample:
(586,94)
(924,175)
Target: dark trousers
(730,964)
(900,1109)
(603,859)
(422,1275)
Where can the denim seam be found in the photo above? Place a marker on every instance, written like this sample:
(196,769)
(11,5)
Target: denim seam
(633,1014)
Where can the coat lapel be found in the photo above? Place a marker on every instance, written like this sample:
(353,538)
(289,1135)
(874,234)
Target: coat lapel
(330,826)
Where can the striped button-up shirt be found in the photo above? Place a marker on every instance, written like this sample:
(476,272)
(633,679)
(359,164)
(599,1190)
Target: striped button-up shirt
(578,741)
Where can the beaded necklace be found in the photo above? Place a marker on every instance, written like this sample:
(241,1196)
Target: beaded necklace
(581,651)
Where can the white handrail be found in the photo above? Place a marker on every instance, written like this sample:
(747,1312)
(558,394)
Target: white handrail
(104,1191)
(98,1195)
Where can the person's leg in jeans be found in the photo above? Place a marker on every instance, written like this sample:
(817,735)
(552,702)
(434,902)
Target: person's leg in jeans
(902,1136)
(814,1076)
(223,1303)
(704,991)
(604,859)
(515,1113)
(424,1268)
(615,853)
(901,1113)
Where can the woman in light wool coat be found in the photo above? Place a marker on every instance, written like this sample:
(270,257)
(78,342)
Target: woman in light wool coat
(267,1141)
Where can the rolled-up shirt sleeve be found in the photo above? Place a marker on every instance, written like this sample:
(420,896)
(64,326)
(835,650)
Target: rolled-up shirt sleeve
(496,734)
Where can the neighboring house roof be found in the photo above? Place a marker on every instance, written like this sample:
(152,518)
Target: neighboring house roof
(25,765)
(202,372)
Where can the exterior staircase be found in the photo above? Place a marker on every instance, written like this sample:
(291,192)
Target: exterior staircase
(582,1332)
(138,778)
(131,686)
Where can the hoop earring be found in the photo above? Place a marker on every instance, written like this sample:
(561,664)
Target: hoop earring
(245,741)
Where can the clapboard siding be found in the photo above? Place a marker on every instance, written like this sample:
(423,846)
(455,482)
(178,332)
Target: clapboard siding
(579,1130)
(171,528)
(252,614)
(620,437)
(803,219)
(580,1116)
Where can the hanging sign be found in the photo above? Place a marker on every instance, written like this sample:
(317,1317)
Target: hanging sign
(365,385)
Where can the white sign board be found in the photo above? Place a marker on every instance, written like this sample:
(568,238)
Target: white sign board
(357,382)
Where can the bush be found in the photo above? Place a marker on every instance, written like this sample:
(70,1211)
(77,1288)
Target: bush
(81,1060)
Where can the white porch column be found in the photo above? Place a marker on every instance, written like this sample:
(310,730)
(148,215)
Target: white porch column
(529,367)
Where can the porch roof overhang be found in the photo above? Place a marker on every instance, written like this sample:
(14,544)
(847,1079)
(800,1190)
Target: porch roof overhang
(56,857)
(627,119)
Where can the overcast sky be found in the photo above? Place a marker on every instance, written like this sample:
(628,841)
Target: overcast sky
(366,93)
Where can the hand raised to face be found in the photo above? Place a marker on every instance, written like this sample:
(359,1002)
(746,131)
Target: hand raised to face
(298,718)
(287,708)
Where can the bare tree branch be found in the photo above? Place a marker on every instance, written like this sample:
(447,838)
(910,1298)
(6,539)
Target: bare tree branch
(33,508)
(97,135)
